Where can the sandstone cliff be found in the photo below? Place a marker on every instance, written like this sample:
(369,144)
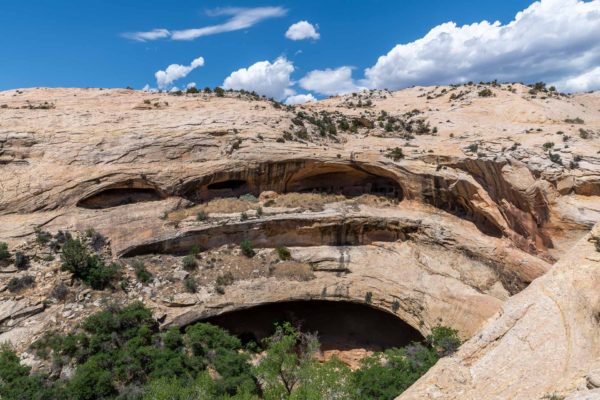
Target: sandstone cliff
(434,204)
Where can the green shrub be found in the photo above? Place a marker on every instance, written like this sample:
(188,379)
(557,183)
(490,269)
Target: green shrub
(583,133)
(486,93)
(574,121)
(247,249)
(119,353)
(243,216)
(473,147)
(141,272)
(249,197)
(17,383)
(88,268)
(383,376)
(555,158)
(97,241)
(395,154)
(60,291)
(42,237)
(283,253)
(21,260)
(219,91)
(225,280)
(4,253)
(189,262)
(192,90)
(190,284)
(202,216)
(548,145)
(17,284)
(444,340)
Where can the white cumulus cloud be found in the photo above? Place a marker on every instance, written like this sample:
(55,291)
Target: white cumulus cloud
(239,18)
(164,78)
(265,78)
(589,80)
(299,99)
(330,81)
(551,40)
(302,30)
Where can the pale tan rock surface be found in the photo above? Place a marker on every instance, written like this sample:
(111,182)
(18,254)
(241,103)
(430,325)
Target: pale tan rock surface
(473,212)
(543,341)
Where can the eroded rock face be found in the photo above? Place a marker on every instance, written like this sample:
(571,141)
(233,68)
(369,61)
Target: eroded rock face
(444,232)
(543,341)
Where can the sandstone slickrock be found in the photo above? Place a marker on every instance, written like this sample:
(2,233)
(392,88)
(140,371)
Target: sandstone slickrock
(541,342)
(438,209)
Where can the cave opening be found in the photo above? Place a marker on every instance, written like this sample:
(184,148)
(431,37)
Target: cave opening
(348,183)
(339,325)
(113,197)
(293,176)
(230,184)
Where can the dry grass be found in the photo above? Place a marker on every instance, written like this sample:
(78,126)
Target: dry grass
(304,201)
(215,206)
(293,270)
(375,201)
(308,201)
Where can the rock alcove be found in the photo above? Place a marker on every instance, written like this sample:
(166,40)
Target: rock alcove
(340,325)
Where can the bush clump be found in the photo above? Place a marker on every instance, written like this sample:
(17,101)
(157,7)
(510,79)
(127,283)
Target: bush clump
(60,291)
(395,154)
(21,260)
(486,93)
(219,91)
(548,145)
(225,280)
(189,262)
(247,249)
(86,267)
(283,253)
(4,253)
(18,284)
(141,272)
(190,284)
(42,237)
(555,158)
(577,120)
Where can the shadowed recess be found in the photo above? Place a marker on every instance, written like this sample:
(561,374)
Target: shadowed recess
(292,176)
(339,325)
(291,232)
(129,192)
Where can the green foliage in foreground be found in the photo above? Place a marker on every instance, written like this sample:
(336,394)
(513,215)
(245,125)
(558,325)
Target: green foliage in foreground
(120,354)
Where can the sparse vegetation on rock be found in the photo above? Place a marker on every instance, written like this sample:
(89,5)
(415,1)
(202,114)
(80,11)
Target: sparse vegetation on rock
(17,284)
(4,253)
(283,253)
(247,249)
(89,268)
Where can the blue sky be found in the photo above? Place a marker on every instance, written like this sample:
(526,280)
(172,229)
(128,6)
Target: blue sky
(82,43)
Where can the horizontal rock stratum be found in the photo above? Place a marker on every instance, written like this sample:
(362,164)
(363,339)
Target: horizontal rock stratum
(440,205)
